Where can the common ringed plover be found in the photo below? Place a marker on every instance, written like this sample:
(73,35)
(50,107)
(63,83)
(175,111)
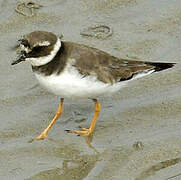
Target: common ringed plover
(76,71)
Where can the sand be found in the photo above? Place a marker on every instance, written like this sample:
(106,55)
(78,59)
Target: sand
(137,135)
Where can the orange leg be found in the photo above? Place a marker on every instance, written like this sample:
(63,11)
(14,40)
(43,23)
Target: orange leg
(43,135)
(85,131)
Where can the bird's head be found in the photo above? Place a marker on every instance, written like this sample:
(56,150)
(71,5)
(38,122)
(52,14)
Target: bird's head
(38,48)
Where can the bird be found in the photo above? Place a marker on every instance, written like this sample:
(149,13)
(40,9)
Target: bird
(76,71)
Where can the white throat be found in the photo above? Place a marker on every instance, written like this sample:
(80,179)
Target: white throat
(45,59)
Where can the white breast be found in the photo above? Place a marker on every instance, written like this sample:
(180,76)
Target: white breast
(71,84)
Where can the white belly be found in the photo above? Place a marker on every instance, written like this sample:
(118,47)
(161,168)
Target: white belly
(71,84)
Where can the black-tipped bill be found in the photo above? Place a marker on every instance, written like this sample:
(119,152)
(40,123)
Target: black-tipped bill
(21,58)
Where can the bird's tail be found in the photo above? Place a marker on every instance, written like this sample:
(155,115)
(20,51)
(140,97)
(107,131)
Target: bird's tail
(159,66)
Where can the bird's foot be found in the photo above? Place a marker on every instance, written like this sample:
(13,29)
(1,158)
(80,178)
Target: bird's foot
(42,136)
(82,132)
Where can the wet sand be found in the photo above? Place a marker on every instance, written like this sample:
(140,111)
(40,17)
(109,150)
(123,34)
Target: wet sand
(137,135)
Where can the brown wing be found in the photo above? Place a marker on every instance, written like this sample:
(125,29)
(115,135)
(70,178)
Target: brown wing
(109,69)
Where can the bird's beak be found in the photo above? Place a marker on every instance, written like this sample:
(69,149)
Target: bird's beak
(20,58)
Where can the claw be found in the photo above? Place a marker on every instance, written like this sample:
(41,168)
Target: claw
(68,130)
(83,132)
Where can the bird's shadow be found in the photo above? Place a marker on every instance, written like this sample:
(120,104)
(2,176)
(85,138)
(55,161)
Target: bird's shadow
(88,140)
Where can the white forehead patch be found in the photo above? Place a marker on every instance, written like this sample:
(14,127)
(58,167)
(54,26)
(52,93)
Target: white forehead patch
(23,48)
(39,61)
